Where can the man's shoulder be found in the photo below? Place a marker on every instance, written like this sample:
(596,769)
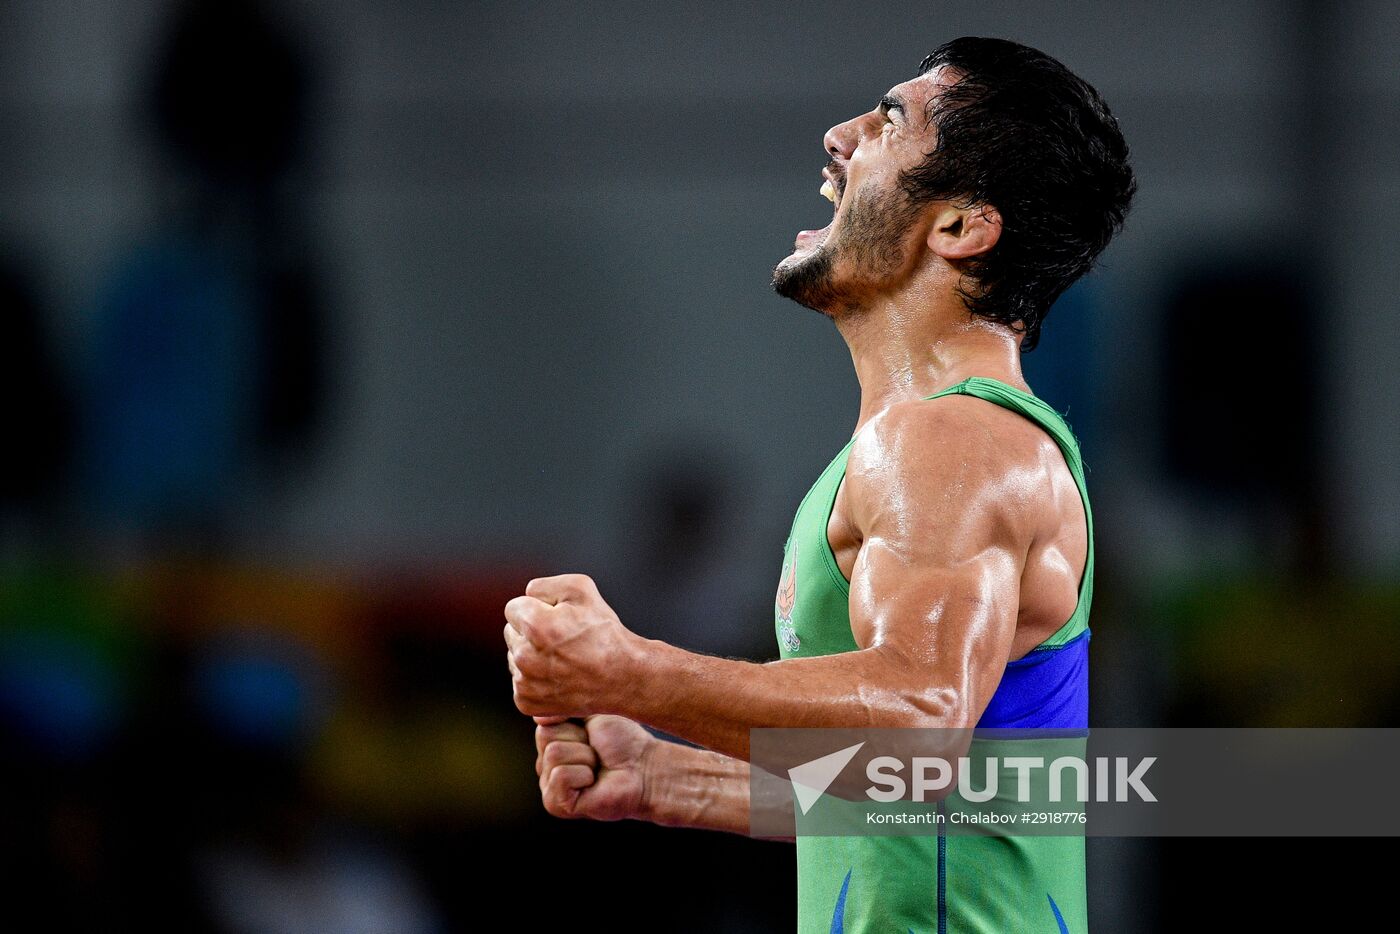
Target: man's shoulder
(954,431)
(936,466)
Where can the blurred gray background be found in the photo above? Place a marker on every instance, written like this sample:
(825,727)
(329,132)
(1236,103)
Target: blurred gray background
(549,229)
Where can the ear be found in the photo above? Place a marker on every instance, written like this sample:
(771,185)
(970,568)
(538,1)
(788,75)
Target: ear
(962,233)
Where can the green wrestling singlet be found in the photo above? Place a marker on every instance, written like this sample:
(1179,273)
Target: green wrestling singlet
(940,882)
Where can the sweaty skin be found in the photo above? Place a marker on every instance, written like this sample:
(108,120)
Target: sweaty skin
(958,525)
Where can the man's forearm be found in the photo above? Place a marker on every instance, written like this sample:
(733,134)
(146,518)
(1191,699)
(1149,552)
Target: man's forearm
(689,787)
(715,702)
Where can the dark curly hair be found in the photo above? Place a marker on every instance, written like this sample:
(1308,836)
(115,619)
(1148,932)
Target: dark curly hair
(1020,132)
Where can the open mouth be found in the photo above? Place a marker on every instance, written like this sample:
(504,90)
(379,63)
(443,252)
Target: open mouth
(832,192)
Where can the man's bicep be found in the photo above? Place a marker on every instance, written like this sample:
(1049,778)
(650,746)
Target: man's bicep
(936,582)
(949,616)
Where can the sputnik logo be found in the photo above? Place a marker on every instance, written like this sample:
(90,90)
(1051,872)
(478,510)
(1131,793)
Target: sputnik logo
(810,780)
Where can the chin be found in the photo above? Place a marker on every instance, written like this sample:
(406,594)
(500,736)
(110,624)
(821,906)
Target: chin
(794,260)
(806,277)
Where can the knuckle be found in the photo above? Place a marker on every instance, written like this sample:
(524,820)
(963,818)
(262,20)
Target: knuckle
(528,661)
(556,796)
(555,754)
(525,700)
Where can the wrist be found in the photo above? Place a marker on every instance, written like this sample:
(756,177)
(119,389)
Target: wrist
(675,784)
(657,765)
(688,787)
(632,675)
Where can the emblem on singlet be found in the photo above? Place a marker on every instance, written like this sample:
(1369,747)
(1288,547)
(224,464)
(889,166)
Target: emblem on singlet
(786,602)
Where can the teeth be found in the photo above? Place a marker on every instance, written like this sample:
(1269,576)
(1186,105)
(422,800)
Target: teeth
(828,192)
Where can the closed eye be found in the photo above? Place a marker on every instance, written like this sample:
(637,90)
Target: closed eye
(890,104)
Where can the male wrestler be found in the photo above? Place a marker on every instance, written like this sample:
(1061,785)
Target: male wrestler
(940,571)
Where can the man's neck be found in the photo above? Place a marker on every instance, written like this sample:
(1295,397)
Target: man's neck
(908,350)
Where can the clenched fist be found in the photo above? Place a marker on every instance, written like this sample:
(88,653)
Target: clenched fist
(568,653)
(595,769)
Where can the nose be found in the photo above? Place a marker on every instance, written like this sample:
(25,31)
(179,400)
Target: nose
(842,139)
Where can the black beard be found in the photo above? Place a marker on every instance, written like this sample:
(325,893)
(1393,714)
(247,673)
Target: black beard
(810,282)
(871,242)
